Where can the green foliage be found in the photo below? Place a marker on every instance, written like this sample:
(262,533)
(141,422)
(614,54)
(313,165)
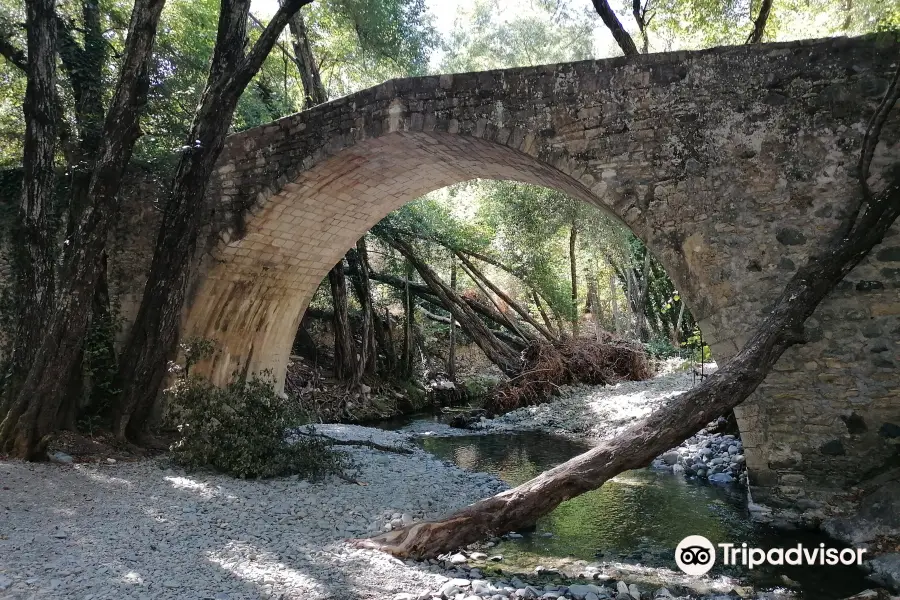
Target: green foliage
(241,430)
(360,43)
(100,367)
(661,348)
(194,349)
(538,32)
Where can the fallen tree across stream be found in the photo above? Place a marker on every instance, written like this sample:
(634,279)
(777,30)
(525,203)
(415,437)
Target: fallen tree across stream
(637,446)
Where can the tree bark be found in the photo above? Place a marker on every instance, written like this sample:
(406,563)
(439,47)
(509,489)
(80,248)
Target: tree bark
(154,336)
(359,265)
(344,356)
(573,273)
(759,25)
(313,89)
(640,17)
(540,307)
(34,413)
(508,320)
(451,353)
(408,330)
(612,23)
(638,445)
(613,293)
(425,293)
(35,265)
(676,333)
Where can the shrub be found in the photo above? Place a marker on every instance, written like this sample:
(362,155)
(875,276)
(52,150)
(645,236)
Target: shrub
(241,430)
(662,348)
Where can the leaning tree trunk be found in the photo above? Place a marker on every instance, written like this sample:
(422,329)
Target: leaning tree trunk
(638,445)
(425,293)
(521,310)
(154,335)
(496,351)
(507,319)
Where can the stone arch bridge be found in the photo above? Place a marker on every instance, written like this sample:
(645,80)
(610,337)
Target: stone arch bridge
(732,164)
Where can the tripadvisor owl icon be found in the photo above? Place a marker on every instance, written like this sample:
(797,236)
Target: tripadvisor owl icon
(695,555)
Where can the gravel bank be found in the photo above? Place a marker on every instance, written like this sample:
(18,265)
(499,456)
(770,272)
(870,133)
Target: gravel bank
(145,530)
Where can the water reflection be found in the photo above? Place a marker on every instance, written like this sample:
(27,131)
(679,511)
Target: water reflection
(640,516)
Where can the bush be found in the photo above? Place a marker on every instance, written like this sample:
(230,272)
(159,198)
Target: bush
(241,430)
(662,348)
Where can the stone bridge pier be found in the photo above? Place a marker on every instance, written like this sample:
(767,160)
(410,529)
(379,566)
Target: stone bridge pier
(733,165)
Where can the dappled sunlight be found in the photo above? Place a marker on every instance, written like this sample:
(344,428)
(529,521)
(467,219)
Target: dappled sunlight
(204,490)
(252,564)
(133,578)
(96,475)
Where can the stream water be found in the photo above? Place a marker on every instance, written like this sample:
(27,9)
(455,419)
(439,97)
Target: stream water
(637,518)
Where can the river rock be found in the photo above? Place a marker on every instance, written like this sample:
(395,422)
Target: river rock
(580,592)
(723,478)
(886,570)
(61,458)
(458,559)
(670,457)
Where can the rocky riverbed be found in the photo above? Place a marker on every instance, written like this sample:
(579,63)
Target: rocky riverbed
(593,414)
(149,530)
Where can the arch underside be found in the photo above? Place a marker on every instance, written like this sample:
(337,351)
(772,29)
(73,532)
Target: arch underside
(250,301)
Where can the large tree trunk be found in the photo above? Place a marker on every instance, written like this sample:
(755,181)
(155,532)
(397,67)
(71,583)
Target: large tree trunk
(313,88)
(359,265)
(344,355)
(759,25)
(688,413)
(154,336)
(34,266)
(34,413)
(497,352)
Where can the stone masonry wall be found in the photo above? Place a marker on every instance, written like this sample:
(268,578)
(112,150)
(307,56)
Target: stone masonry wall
(734,165)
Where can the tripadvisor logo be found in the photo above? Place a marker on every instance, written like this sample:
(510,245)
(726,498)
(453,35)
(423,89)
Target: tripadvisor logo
(696,555)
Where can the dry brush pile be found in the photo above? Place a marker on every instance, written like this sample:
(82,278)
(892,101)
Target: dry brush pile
(549,365)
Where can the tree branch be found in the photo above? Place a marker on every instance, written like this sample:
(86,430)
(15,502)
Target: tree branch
(622,37)
(251,63)
(759,26)
(12,53)
(870,141)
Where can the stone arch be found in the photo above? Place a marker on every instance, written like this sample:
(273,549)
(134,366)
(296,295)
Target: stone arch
(734,165)
(256,287)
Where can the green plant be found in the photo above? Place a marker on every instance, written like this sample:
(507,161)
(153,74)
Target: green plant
(194,349)
(662,348)
(242,430)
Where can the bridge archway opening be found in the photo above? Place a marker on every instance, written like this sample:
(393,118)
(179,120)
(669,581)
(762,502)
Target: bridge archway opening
(253,294)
